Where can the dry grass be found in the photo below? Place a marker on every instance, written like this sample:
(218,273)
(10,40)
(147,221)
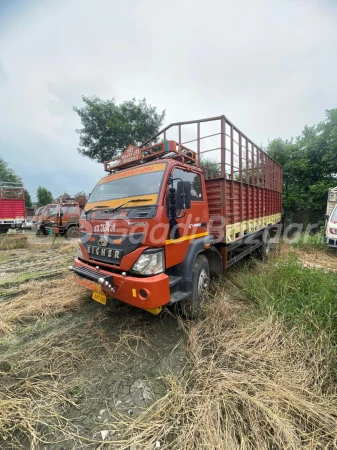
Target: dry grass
(42,300)
(13,241)
(69,247)
(250,385)
(42,384)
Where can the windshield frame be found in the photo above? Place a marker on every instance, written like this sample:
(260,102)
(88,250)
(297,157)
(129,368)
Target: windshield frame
(134,196)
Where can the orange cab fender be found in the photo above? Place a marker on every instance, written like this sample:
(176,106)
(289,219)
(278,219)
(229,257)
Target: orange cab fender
(198,246)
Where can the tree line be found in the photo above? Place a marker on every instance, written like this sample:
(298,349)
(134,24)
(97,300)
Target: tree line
(309,164)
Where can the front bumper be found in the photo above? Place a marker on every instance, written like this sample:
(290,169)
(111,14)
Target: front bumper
(331,242)
(128,289)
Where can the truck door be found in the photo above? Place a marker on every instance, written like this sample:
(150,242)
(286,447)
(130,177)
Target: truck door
(194,223)
(70,215)
(74,214)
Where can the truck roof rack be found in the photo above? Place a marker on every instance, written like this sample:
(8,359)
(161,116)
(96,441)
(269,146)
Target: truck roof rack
(10,185)
(134,156)
(223,151)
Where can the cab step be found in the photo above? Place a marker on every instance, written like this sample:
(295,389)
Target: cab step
(174,280)
(178,296)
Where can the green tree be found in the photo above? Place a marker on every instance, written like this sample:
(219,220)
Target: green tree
(80,194)
(64,195)
(109,128)
(309,165)
(28,200)
(7,174)
(44,197)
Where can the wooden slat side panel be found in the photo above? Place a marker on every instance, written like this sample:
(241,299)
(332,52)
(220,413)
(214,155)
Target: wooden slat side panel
(214,192)
(269,201)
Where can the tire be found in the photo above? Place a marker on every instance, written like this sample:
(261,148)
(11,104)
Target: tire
(73,233)
(193,306)
(264,251)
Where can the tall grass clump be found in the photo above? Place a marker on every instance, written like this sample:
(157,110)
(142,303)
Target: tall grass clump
(13,241)
(310,242)
(302,297)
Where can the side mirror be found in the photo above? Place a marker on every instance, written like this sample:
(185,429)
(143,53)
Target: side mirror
(61,214)
(326,216)
(183,194)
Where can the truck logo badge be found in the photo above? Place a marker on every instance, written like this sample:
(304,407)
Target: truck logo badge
(103,241)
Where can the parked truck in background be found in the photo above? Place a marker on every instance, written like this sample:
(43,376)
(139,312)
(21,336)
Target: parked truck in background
(331,218)
(168,215)
(12,206)
(62,217)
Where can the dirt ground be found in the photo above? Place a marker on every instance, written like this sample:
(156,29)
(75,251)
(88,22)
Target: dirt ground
(75,363)
(319,260)
(75,374)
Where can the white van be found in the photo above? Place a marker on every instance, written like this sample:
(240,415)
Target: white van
(331,218)
(331,229)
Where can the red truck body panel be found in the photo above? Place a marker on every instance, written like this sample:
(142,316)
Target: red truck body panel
(12,204)
(12,209)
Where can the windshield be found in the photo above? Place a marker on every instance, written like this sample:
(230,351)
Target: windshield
(49,210)
(334,214)
(55,210)
(131,183)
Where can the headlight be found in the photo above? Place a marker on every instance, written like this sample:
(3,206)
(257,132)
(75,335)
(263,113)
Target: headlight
(150,262)
(333,230)
(79,253)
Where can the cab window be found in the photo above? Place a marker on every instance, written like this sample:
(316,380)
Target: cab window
(72,210)
(193,178)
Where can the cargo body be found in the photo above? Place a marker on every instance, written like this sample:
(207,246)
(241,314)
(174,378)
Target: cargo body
(12,206)
(172,213)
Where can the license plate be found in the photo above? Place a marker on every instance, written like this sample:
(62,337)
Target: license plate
(100,297)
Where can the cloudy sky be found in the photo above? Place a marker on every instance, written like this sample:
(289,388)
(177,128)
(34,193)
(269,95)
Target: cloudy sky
(269,65)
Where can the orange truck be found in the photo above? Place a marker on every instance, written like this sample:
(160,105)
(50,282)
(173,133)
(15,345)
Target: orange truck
(169,215)
(61,218)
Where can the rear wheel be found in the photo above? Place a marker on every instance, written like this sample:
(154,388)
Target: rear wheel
(193,306)
(73,233)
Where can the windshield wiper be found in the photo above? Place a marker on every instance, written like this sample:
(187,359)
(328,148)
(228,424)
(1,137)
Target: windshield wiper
(95,207)
(136,200)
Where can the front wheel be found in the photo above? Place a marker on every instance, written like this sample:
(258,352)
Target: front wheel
(193,306)
(73,233)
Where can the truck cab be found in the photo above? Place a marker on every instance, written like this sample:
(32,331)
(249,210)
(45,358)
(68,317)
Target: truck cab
(61,218)
(130,227)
